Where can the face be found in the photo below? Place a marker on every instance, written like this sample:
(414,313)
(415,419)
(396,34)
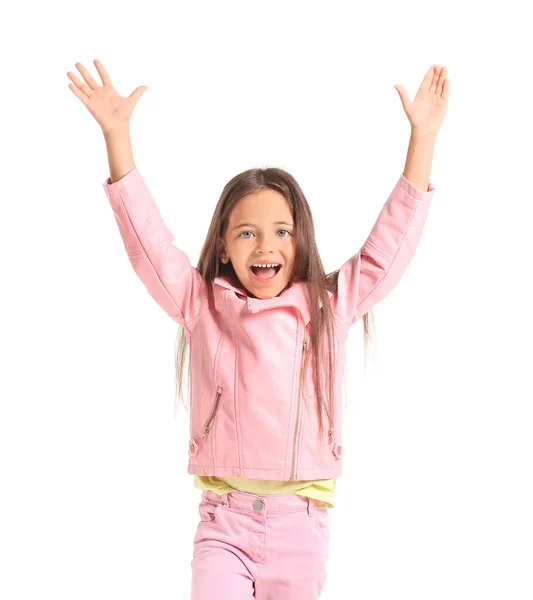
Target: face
(261,231)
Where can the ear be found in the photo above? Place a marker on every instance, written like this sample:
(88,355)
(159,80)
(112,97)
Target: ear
(222,253)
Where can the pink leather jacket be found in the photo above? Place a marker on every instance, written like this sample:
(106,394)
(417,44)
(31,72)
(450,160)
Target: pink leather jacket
(251,416)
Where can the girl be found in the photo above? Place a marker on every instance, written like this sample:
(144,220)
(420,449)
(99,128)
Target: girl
(267,330)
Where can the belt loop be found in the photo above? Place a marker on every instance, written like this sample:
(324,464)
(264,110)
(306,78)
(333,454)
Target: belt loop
(310,510)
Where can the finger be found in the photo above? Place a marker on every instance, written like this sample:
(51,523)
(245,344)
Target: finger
(137,93)
(87,76)
(440,83)
(404,97)
(446,89)
(106,80)
(79,94)
(435,78)
(428,78)
(79,84)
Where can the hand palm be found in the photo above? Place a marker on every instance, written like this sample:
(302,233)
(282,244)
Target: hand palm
(107,106)
(427,111)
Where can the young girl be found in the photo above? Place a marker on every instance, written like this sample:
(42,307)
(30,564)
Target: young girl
(267,330)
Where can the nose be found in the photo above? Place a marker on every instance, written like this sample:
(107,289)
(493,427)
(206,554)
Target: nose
(265,244)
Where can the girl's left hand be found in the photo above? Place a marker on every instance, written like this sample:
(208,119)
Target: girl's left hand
(426,112)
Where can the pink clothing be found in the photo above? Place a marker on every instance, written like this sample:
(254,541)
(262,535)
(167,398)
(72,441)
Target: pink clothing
(254,547)
(246,422)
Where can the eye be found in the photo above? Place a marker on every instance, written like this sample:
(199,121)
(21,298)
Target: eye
(248,231)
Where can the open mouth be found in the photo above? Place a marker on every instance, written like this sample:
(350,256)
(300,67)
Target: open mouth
(266,273)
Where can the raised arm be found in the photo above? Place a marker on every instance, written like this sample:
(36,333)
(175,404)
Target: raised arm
(368,276)
(164,269)
(375,270)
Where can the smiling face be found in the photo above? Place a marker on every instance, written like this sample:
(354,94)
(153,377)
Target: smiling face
(261,231)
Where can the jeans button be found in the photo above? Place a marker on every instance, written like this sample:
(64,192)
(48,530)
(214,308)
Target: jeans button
(258,505)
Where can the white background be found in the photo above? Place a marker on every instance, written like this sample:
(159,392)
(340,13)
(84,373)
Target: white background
(436,494)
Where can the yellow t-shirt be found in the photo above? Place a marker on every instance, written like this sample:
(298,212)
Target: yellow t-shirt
(319,489)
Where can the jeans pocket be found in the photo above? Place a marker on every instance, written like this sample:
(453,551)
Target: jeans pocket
(322,517)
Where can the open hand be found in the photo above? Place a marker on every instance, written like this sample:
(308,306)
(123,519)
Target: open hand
(111,110)
(426,112)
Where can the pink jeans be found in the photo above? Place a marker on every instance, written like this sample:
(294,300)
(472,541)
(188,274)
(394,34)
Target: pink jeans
(271,547)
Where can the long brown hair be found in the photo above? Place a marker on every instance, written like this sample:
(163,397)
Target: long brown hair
(307,267)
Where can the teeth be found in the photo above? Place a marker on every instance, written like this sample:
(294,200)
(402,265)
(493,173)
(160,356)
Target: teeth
(265,266)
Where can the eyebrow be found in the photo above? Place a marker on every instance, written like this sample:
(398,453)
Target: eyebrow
(252,225)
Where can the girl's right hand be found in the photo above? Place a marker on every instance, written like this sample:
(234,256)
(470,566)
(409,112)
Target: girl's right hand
(111,110)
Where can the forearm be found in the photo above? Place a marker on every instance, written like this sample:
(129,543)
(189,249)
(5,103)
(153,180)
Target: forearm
(119,153)
(419,158)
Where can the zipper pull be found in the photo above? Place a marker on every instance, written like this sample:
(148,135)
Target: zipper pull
(330,436)
(305,345)
(206,432)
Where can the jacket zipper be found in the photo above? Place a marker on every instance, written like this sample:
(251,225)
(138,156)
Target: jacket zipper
(207,427)
(296,431)
(298,415)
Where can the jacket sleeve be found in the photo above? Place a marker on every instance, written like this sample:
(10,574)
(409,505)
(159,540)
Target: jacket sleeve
(164,269)
(374,271)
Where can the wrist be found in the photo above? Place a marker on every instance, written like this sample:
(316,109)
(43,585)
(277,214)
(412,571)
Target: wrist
(424,134)
(117,132)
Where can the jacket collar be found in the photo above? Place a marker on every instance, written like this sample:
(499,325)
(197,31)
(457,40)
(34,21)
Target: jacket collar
(296,294)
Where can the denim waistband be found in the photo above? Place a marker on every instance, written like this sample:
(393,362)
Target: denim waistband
(268,503)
